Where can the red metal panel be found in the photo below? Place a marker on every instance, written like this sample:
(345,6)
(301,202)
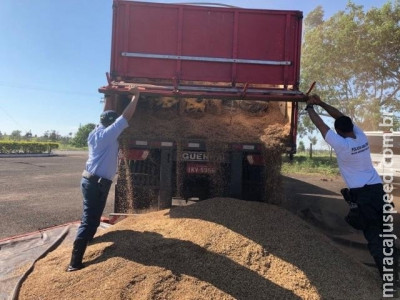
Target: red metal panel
(273,41)
(207,33)
(144,28)
(211,32)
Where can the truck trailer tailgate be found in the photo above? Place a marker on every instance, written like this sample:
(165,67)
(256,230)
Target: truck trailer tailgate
(193,49)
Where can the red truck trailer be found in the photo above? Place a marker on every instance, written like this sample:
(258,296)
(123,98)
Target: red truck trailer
(200,61)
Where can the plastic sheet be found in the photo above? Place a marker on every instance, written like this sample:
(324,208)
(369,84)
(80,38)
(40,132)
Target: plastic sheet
(19,254)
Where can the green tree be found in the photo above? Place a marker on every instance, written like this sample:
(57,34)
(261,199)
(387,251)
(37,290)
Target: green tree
(313,142)
(80,139)
(16,135)
(45,136)
(355,59)
(28,135)
(301,147)
(54,136)
(314,18)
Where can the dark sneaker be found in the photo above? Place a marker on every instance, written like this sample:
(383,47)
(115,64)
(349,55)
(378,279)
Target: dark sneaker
(75,268)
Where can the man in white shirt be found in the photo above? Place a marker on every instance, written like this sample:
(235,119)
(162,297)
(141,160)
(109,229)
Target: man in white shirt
(99,172)
(366,189)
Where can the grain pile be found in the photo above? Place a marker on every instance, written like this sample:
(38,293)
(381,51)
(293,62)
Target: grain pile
(219,248)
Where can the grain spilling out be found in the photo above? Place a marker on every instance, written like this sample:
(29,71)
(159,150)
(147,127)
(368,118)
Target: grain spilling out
(207,171)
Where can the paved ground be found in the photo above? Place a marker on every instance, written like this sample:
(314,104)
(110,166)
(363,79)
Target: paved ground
(317,200)
(40,192)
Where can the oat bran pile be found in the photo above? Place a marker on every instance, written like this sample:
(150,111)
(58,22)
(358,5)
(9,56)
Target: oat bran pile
(219,248)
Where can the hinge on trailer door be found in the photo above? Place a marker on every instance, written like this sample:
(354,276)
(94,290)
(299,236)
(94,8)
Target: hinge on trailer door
(176,84)
(243,93)
(108,78)
(300,15)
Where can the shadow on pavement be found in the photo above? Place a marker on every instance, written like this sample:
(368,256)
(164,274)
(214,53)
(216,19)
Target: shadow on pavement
(319,202)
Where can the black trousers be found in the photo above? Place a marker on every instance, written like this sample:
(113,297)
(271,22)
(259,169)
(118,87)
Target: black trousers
(370,201)
(94,201)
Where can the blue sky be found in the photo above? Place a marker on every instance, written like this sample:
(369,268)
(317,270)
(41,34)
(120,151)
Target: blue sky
(54,55)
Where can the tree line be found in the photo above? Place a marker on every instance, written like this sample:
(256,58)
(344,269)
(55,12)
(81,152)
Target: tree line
(78,140)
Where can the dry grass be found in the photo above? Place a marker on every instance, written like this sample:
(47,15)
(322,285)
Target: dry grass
(216,249)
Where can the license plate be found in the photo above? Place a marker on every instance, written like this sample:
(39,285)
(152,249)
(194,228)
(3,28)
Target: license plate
(200,169)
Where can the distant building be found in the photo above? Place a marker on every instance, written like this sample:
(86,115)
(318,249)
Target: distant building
(385,151)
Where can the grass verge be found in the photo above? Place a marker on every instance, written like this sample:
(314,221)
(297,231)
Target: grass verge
(303,164)
(68,147)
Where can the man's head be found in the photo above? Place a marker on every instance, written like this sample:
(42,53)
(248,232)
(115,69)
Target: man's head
(343,125)
(108,117)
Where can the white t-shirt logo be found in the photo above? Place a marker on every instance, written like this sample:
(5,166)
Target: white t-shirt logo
(359,149)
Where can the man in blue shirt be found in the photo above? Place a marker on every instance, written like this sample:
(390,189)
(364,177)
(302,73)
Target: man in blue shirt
(99,172)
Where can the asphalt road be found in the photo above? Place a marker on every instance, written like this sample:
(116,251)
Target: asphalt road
(40,192)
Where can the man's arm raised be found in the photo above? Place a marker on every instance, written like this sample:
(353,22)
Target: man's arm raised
(333,112)
(130,109)
(316,119)
(109,102)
